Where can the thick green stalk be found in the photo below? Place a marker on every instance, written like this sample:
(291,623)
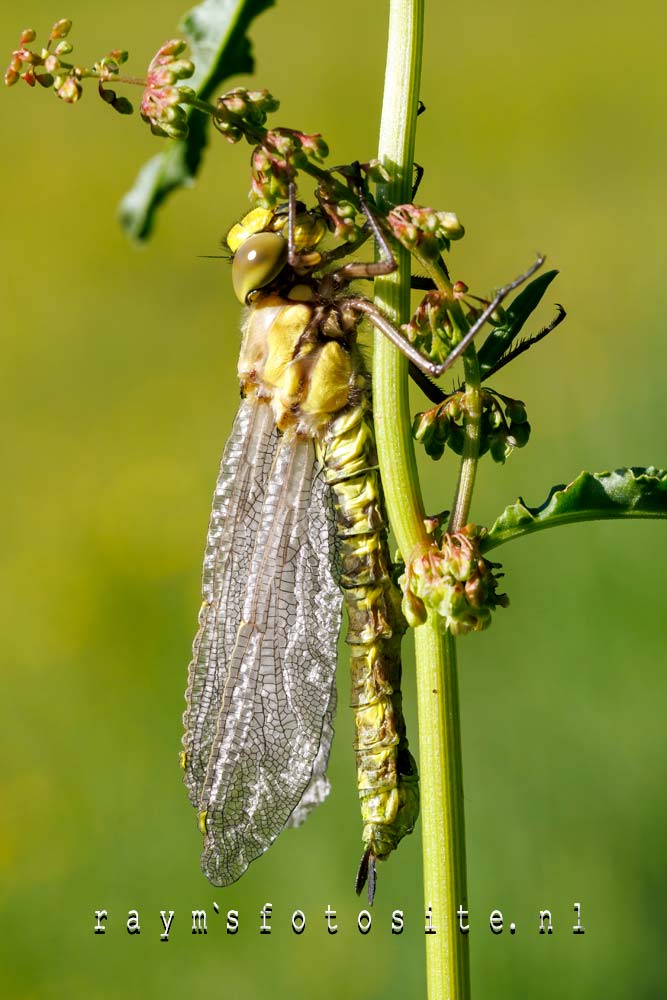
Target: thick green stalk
(390,370)
(439,736)
(472,424)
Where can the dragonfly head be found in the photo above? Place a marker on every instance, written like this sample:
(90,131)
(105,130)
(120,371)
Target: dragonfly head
(258,260)
(259,245)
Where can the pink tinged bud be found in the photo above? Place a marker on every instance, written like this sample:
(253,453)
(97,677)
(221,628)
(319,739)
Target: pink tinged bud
(61,28)
(63,48)
(28,35)
(173,47)
(51,63)
(11,76)
(235,103)
(32,58)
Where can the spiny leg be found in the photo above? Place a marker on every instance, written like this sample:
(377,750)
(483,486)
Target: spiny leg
(435,394)
(367,268)
(524,345)
(411,353)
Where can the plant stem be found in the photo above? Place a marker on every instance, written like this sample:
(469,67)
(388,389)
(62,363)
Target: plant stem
(437,686)
(472,425)
(443,826)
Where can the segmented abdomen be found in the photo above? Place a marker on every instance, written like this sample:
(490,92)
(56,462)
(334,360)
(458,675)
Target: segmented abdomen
(386,772)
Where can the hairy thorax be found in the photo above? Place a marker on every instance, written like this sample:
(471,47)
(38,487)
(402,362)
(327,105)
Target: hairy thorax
(300,354)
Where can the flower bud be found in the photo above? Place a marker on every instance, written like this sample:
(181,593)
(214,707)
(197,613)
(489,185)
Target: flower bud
(122,106)
(515,411)
(451,225)
(28,35)
(11,76)
(495,417)
(173,47)
(453,407)
(61,29)
(518,434)
(414,609)
(32,58)
(70,90)
(498,447)
(182,69)
(455,582)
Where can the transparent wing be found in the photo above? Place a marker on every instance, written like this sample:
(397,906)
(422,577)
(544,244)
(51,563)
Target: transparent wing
(270,691)
(237,504)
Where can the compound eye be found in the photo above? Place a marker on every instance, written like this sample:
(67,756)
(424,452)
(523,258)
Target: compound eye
(257,262)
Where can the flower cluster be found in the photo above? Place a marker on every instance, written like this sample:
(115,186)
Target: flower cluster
(340,213)
(48,68)
(162,99)
(240,112)
(276,160)
(433,327)
(45,67)
(423,230)
(454,581)
(504,425)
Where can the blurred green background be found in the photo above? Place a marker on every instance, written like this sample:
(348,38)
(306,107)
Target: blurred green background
(545,130)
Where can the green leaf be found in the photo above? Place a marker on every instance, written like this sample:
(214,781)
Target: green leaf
(516,314)
(634,492)
(216,32)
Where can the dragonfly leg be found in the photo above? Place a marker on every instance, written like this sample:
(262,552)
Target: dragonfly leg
(432,391)
(368,268)
(419,173)
(528,342)
(381,323)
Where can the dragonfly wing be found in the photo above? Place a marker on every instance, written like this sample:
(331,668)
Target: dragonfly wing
(271,692)
(237,503)
(322,525)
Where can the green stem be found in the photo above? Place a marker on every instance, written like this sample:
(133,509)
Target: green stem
(442,817)
(472,429)
(437,688)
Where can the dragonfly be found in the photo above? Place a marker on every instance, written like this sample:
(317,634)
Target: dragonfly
(298,528)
